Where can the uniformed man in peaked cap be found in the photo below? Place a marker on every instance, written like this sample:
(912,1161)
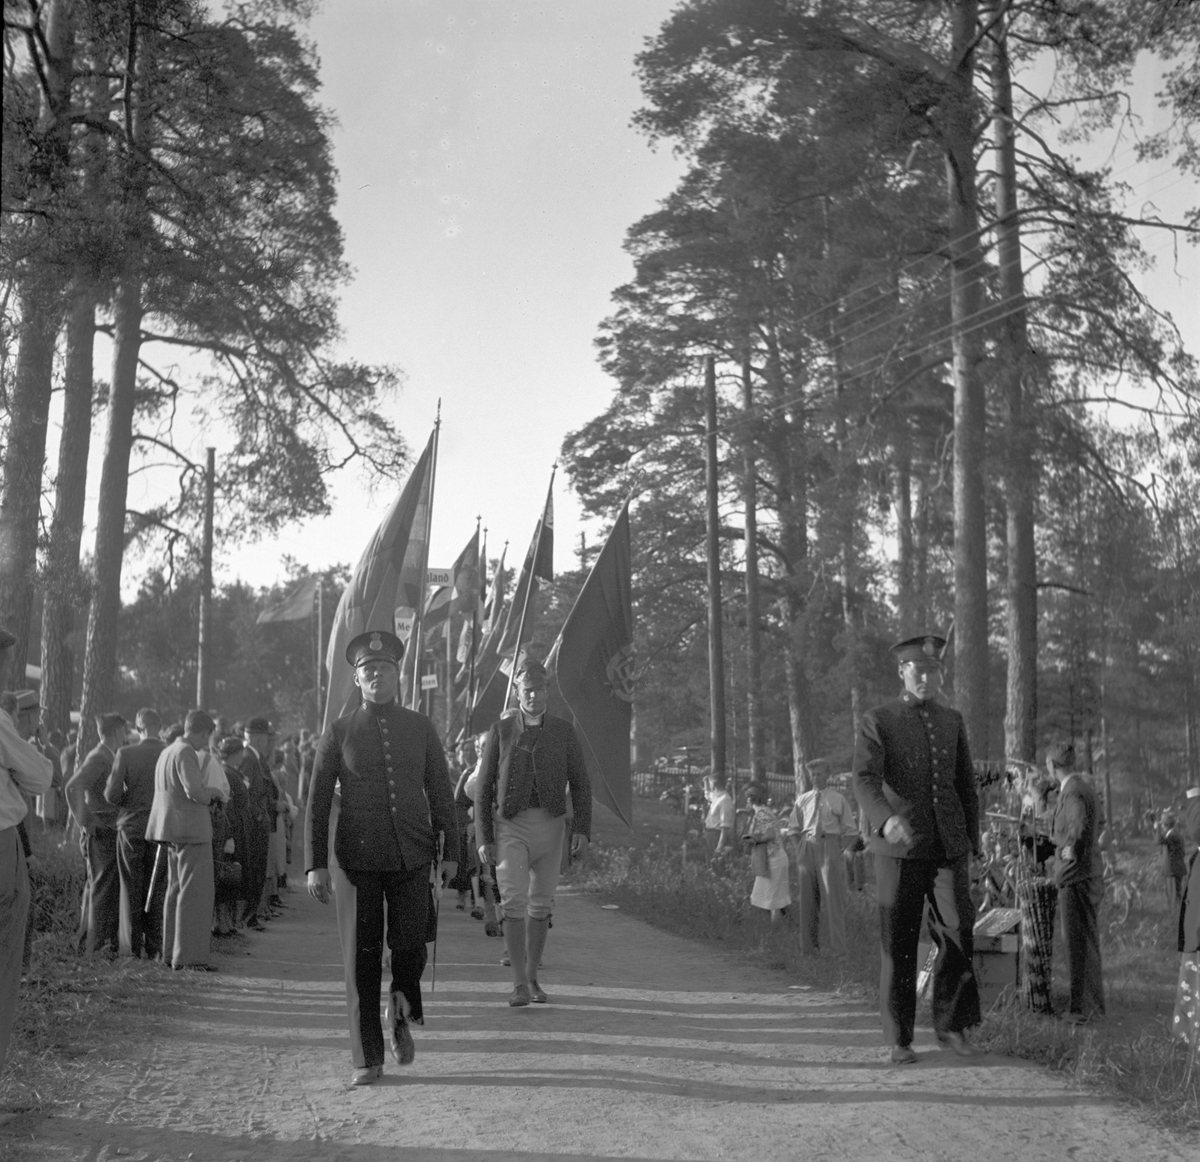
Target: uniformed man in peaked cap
(916,788)
(396,803)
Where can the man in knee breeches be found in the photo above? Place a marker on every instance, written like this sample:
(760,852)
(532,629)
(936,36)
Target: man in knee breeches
(530,761)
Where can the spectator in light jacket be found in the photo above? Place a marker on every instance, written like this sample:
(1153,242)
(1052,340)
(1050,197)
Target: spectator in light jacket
(179,818)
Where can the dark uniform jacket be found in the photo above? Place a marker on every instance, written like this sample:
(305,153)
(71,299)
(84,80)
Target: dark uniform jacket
(396,793)
(130,786)
(1078,821)
(911,759)
(261,792)
(508,772)
(92,777)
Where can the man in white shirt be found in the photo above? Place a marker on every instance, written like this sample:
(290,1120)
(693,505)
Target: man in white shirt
(23,771)
(821,822)
(720,821)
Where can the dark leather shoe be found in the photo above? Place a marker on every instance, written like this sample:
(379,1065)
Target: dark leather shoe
(401,1040)
(520,996)
(536,993)
(956,1041)
(368,1076)
(903,1055)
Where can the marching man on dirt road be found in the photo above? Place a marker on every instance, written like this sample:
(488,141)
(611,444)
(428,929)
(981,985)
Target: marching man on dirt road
(529,762)
(396,801)
(916,788)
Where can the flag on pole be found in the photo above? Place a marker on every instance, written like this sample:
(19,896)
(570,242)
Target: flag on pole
(539,564)
(462,596)
(543,567)
(388,583)
(296,605)
(592,671)
(493,608)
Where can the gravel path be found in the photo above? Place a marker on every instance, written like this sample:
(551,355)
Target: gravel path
(652,1047)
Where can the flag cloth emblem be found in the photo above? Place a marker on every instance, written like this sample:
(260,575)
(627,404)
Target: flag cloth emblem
(619,673)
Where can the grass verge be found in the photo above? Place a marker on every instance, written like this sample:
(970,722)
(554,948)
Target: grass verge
(1130,1056)
(72,1010)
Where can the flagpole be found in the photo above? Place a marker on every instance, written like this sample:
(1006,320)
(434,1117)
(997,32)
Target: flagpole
(537,550)
(490,627)
(415,640)
(470,699)
(449,691)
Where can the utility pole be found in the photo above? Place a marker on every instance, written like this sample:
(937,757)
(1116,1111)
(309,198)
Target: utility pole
(204,677)
(716,646)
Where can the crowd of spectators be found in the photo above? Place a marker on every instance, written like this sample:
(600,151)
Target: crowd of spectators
(186,828)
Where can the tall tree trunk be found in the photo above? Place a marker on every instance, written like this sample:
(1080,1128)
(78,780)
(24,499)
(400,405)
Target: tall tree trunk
(63,586)
(24,456)
(784,444)
(902,502)
(716,647)
(100,651)
(41,304)
(1020,485)
(100,654)
(922,612)
(754,739)
(846,504)
(966,297)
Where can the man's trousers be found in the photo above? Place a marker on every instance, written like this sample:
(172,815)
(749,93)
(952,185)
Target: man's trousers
(903,886)
(1080,903)
(254,868)
(822,874)
(14,917)
(367,903)
(104,901)
(141,920)
(529,862)
(188,907)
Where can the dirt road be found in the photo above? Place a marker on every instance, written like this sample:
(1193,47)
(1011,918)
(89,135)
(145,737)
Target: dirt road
(652,1047)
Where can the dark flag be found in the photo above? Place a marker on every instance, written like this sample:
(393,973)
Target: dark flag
(295,606)
(539,565)
(462,594)
(493,608)
(592,671)
(388,582)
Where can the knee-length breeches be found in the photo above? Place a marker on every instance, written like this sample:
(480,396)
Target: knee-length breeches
(367,903)
(528,862)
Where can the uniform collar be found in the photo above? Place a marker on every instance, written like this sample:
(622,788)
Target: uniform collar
(910,699)
(378,708)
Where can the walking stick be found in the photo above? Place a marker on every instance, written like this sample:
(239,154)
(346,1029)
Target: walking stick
(436,879)
(158,859)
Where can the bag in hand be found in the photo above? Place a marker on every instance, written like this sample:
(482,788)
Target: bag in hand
(229,873)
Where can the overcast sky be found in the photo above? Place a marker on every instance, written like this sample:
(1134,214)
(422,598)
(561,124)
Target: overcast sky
(488,173)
